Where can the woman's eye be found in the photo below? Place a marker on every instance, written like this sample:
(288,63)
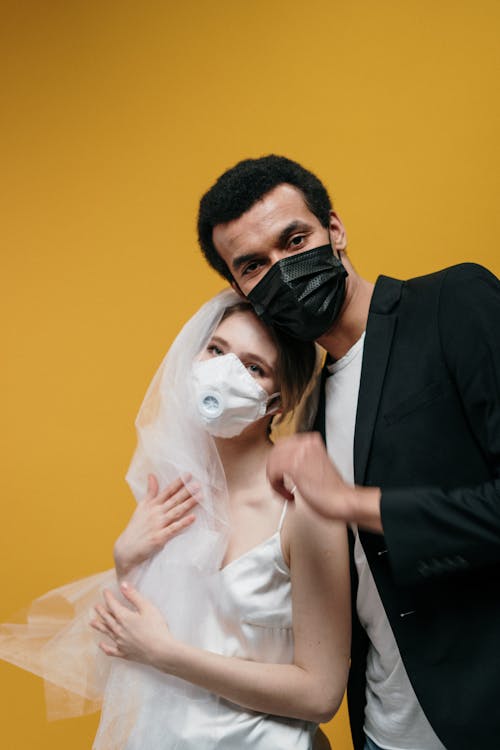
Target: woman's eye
(256,370)
(215,350)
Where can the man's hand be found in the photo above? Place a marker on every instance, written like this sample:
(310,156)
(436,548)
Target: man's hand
(157,518)
(302,460)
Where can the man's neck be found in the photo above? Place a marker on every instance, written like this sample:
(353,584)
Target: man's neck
(351,323)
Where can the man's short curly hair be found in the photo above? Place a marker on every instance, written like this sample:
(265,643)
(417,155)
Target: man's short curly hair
(240,187)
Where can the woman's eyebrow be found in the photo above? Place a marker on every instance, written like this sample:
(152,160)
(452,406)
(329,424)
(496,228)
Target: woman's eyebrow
(248,356)
(217,340)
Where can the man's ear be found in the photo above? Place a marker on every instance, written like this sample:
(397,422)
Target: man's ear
(338,236)
(236,288)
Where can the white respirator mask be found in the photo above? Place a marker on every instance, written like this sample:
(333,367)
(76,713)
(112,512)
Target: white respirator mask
(227,397)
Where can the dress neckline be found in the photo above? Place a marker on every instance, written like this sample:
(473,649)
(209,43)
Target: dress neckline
(249,551)
(264,541)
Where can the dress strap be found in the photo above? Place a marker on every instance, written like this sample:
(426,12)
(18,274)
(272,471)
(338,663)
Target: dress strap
(283,513)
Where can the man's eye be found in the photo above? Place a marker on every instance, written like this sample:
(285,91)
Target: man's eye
(297,241)
(251,267)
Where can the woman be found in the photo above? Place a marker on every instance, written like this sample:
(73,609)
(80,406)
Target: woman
(234,605)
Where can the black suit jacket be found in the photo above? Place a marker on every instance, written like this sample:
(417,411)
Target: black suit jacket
(428,433)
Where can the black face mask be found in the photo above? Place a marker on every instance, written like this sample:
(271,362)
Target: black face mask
(302,294)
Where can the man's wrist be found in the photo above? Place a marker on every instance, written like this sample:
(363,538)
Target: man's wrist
(364,508)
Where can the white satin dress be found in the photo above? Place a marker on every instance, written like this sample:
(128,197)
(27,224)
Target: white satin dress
(254,622)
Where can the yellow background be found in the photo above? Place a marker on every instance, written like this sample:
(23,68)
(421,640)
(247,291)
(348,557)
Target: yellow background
(116,116)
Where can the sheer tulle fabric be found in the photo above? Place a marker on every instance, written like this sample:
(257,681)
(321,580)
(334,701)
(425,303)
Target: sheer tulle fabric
(57,643)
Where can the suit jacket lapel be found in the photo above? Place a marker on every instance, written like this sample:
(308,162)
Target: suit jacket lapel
(320,420)
(379,332)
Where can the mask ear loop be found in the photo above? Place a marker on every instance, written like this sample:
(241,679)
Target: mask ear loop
(273,397)
(274,412)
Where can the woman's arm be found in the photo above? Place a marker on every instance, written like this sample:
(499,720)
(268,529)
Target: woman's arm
(157,518)
(312,687)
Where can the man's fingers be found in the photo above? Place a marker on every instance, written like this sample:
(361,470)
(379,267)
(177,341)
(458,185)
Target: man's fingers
(278,469)
(290,459)
(278,486)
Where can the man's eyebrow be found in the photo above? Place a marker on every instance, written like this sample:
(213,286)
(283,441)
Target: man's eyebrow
(240,260)
(294,226)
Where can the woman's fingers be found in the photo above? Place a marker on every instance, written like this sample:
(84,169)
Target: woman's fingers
(113,606)
(176,511)
(107,620)
(98,624)
(152,486)
(178,485)
(133,596)
(174,527)
(178,497)
(109,649)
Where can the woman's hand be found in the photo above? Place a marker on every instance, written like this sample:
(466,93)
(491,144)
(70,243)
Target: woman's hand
(139,634)
(157,518)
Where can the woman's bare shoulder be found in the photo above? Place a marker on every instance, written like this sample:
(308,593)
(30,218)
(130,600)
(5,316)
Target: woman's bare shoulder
(306,530)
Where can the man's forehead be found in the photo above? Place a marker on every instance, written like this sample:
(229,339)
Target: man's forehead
(278,201)
(269,215)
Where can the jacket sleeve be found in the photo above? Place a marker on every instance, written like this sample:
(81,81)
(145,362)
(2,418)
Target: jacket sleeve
(429,531)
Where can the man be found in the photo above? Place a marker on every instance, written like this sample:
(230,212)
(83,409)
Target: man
(410,410)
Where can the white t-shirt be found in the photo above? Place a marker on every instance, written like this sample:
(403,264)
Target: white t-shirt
(393,717)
